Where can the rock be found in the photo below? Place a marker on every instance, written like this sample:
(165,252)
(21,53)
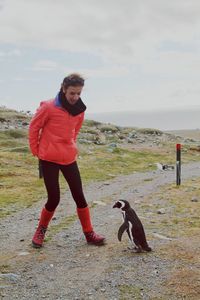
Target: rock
(194,199)
(161,211)
(160,236)
(10,276)
(84,141)
(106,183)
(99,202)
(23,253)
(130,141)
(112,145)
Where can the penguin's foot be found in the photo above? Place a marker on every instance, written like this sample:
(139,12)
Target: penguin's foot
(135,249)
(147,249)
(131,248)
(138,249)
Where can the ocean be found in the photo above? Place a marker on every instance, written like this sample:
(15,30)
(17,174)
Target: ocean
(164,119)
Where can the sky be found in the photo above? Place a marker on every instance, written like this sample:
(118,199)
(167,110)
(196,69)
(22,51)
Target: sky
(135,55)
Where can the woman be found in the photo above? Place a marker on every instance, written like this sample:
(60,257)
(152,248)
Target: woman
(52,137)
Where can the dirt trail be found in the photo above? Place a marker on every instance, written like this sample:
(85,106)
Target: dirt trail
(67,268)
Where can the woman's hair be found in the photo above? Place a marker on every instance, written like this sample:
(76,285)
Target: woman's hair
(73,79)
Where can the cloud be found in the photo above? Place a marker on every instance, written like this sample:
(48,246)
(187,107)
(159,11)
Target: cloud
(24,79)
(138,53)
(125,30)
(104,72)
(14,52)
(44,65)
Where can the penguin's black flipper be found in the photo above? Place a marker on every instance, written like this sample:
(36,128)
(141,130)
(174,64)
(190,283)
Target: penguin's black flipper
(121,230)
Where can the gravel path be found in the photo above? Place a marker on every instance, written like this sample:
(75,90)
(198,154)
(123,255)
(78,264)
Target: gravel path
(67,268)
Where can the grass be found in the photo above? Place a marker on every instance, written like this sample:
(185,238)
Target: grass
(182,213)
(4,268)
(20,186)
(185,283)
(101,164)
(127,292)
(19,183)
(7,114)
(181,222)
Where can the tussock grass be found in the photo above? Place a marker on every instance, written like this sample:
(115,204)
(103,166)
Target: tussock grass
(184,213)
(89,123)
(10,139)
(181,222)
(4,268)
(150,131)
(19,183)
(127,292)
(16,133)
(102,162)
(20,186)
(185,283)
(7,114)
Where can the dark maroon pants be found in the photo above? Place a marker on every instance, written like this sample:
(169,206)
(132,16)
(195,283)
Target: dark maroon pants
(72,176)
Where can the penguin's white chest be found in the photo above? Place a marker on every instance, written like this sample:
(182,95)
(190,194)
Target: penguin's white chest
(130,226)
(123,215)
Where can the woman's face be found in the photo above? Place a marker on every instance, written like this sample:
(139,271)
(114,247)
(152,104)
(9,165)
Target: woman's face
(72,93)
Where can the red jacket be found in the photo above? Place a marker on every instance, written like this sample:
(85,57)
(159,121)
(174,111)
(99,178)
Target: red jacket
(53,132)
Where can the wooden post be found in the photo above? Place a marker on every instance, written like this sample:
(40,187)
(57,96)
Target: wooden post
(178,164)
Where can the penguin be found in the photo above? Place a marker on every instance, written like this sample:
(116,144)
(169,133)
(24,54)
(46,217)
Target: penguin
(132,225)
(163,167)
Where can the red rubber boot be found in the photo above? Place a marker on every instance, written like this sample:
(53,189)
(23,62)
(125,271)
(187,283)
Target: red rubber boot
(90,235)
(39,235)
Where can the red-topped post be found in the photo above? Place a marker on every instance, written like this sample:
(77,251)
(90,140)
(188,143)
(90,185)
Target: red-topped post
(178,164)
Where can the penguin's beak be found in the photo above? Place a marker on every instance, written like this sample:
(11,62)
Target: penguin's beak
(115,205)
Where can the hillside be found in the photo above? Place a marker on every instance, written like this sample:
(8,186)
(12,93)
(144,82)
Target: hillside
(105,151)
(190,134)
(102,133)
(115,163)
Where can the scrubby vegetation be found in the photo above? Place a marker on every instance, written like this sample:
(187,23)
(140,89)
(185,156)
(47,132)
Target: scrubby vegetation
(106,151)
(170,215)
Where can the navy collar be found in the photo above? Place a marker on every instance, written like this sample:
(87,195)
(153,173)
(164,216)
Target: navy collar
(74,110)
